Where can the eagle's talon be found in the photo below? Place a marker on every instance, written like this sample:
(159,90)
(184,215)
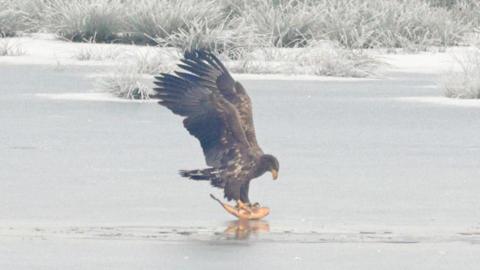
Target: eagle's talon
(242,206)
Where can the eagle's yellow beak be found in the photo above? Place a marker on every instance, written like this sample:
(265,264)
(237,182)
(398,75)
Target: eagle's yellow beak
(274,174)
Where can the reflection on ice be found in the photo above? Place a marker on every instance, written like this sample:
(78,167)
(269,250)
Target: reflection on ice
(243,228)
(252,230)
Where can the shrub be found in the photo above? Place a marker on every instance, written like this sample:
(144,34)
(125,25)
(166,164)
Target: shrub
(408,24)
(125,83)
(400,24)
(466,83)
(152,61)
(99,52)
(10,48)
(162,18)
(12,19)
(282,24)
(85,20)
(128,81)
(319,58)
(228,25)
(231,37)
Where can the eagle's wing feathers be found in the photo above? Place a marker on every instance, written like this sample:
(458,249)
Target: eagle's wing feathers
(207,66)
(209,117)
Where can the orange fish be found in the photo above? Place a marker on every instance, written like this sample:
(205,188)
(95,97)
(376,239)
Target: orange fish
(242,211)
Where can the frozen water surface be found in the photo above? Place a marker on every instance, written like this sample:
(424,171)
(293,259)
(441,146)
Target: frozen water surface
(370,178)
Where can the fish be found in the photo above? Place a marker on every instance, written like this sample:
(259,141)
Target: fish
(244,212)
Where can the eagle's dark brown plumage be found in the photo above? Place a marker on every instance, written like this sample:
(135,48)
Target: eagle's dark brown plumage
(218,112)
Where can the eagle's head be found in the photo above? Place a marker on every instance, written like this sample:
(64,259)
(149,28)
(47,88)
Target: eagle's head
(270,163)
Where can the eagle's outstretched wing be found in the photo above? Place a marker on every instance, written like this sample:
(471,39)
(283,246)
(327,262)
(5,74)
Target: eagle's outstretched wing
(207,67)
(209,117)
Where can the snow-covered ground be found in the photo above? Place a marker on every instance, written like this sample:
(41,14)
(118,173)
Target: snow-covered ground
(46,49)
(378,173)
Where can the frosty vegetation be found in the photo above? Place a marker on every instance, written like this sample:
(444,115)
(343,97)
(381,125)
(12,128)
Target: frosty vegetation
(10,48)
(321,37)
(466,83)
(228,25)
(125,83)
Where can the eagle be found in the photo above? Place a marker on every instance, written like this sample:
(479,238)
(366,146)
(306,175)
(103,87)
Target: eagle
(218,112)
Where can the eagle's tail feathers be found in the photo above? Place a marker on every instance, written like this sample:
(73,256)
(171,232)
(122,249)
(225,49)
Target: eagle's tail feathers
(210,174)
(194,174)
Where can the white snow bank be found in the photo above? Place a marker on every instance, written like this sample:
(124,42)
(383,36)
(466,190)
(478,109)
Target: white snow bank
(443,101)
(425,62)
(45,49)
(285,77)
(104,97)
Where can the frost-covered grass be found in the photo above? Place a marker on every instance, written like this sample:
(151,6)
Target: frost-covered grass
(329,60)
(467,9)
(410,24)
(8,47)
(226,24)
(320,58)
(282,24)
(231,36)
(128,80)
(151,61)
(143,60)
(125,83)
(97,53)
(466,83)
(163,18)
(12,20)
(84,20)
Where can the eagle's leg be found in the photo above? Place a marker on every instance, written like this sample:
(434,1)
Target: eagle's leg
(244,195)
